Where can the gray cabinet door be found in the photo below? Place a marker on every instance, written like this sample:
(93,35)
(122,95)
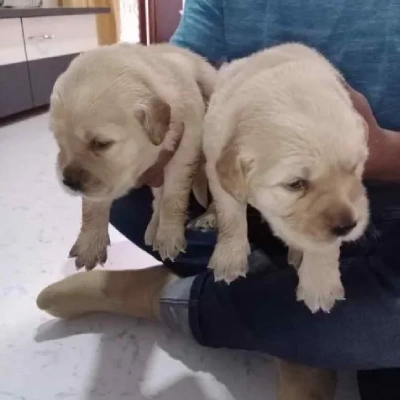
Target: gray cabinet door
(43,74)
(15,91)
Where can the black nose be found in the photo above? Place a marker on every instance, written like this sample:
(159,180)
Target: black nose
(72,179)
(73,184)
(344,229)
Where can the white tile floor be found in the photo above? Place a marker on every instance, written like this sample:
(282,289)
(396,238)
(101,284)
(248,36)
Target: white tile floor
(101,357)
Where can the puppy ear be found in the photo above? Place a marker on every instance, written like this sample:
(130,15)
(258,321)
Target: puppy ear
(154,115)
(231,172)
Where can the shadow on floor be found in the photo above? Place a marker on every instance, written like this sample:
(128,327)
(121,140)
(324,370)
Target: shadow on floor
(136,358)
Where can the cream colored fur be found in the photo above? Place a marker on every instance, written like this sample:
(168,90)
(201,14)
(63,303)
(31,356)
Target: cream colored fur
(115,113)
(279,117)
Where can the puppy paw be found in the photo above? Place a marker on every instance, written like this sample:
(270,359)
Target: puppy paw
(90,250)
(205,222)
(151,232)
(170,242)
(295,257)
(320,291)
(229,260)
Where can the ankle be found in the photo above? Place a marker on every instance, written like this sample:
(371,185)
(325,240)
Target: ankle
(156,295)
(137,293)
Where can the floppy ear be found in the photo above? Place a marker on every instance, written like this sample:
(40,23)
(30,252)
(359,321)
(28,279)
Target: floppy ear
(231,172)
(154,115)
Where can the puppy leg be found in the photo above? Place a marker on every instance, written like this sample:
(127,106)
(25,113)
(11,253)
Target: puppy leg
(229,260)
(178,182)
(320,285)
(299,382)
(151,230)
(295,257)
(206,221)
(200,184)
(170,238)
(90,248)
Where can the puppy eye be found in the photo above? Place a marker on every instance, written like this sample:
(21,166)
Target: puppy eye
(100,145)
(296,186)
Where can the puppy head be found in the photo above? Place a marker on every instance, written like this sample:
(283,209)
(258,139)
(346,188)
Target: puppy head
(301,167)
(107,123)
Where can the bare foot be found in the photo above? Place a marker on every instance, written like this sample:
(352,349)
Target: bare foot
(134,293)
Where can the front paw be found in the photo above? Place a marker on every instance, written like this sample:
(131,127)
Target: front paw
(320,291)
(151,232)
(205,222)
(229,260)
(170,242)
(90,250)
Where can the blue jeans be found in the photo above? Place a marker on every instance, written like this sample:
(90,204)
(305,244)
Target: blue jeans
(261,312)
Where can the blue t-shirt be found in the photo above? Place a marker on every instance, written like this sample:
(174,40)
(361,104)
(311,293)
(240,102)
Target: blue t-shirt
(360,37)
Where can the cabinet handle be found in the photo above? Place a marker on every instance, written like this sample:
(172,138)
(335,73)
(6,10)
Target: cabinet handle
(41,37)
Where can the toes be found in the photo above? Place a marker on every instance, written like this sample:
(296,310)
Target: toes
(148,242)
(150,234)
(90,251)
(73,252)
(103,257)
(149,238)
(89,266)
(230,272)
(229,261)
(228,276)
(90,262)
(45,298)
(319,300)
(205,222)
(79,262)
(170,246)
(85,262)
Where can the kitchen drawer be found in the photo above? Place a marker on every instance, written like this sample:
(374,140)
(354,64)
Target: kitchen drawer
(15,91)
(43,74)
(47,37)
(11,41)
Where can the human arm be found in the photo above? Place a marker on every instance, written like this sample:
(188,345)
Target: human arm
(384,160)
(383,163)
(202,29)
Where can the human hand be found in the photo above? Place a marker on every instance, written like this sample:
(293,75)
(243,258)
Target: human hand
(154,175)
(377,136)
(363,107)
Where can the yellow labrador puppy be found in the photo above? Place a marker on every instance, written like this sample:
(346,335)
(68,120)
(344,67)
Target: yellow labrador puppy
(281,134)
(118,114)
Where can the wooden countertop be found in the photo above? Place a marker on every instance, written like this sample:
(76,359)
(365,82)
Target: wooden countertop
(49,12)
